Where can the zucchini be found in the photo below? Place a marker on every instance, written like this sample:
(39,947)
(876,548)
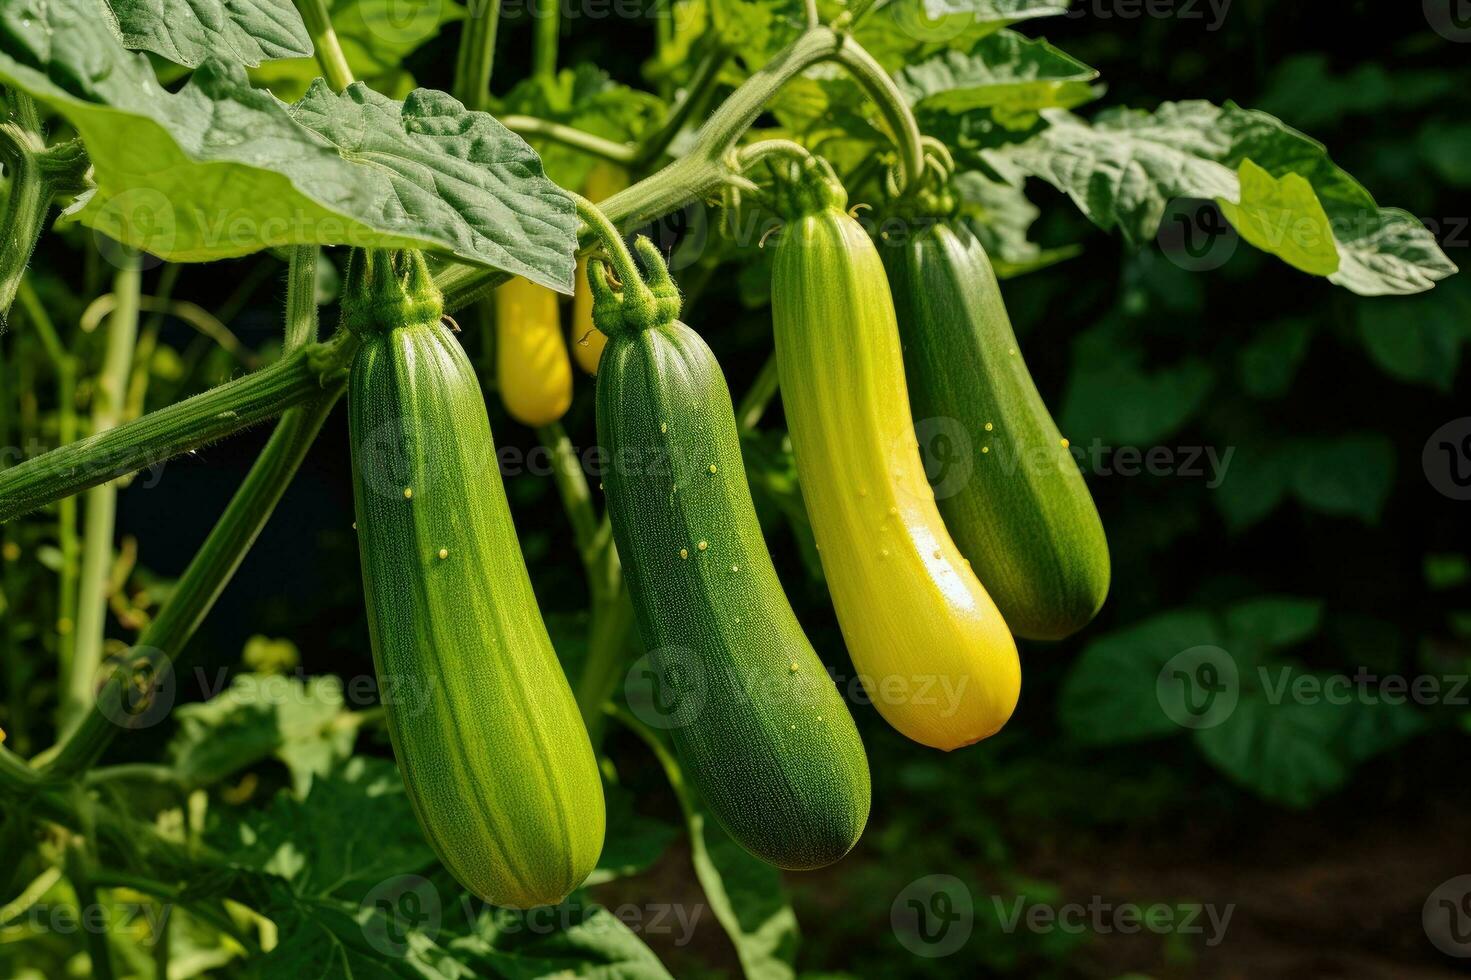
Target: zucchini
(488,738)
(531,364)
(1023,516)
(757,721)
(934,653)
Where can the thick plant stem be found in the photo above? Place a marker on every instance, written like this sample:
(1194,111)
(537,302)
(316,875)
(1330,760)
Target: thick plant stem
(215,563)
(324,40)
(109,398)
(619,153)
(757,397)
(10,659)
(158,436)
(25,208)
(98,945)
(611,636)
(548,17)
(706,74)
(477,54)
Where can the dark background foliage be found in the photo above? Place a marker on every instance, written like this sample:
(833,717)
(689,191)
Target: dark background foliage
(1325,835)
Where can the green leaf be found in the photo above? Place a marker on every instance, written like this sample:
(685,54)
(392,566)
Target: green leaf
(1001,216)
(1283,218)
(1283,752)
(1272,622)
(1113,396)
(745,894)
(1349,476)
(1110,695)
(1269,362)
(587,98)
(1418,339)
(261,716)
(187,32)
(1255,484)
(1009,74)
(376,37)
(1124,169)
(903,32)
(321,846)
(633,842)
(589,941)
(220,169)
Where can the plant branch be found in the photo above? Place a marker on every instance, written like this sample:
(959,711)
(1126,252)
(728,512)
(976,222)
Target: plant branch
(25,208)
(324,40)
(108,401)
(477,54)
(548,17)
(757,397)
(620,153)
(706,74)
(706,169)
(190,424)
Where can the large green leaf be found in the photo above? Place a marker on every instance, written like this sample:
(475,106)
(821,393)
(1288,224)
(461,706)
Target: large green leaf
(1419,339)
(1115,395)
(301,723)
(1011,75)
(220,169)
(1124,169)
(189,32)
(1344,476)
(903,32)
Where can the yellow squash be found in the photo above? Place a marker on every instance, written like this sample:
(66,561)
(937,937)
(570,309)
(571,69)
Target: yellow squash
(605,180)
(933,652)
(531,364)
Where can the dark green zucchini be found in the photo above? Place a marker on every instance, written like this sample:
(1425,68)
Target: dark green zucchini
(1023,515)
(757,721)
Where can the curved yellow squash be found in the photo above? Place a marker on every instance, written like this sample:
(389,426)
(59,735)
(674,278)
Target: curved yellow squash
(933,652)
(605,180)
(531,363)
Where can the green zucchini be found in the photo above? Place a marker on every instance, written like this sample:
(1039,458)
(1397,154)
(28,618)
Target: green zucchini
(488,738)
(1023,515)
(757,721)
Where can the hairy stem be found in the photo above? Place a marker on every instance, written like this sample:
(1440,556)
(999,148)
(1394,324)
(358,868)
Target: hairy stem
(620,153)
(162,642)
(25,208)
(324,39)
(477,54)
(178,428)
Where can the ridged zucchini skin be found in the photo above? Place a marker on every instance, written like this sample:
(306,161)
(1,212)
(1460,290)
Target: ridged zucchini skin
(761,729)
(531,363)
(1024,516)
(488,738)
(935,654)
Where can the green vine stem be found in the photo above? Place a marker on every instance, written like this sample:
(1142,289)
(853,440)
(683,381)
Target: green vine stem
(702,81)
(757,397)
(226,546)
(548,17)
(108,400)
(619,153)
(706,168)
(78,871)
(476,58)
(25,209)
(324,40)
(190,424)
